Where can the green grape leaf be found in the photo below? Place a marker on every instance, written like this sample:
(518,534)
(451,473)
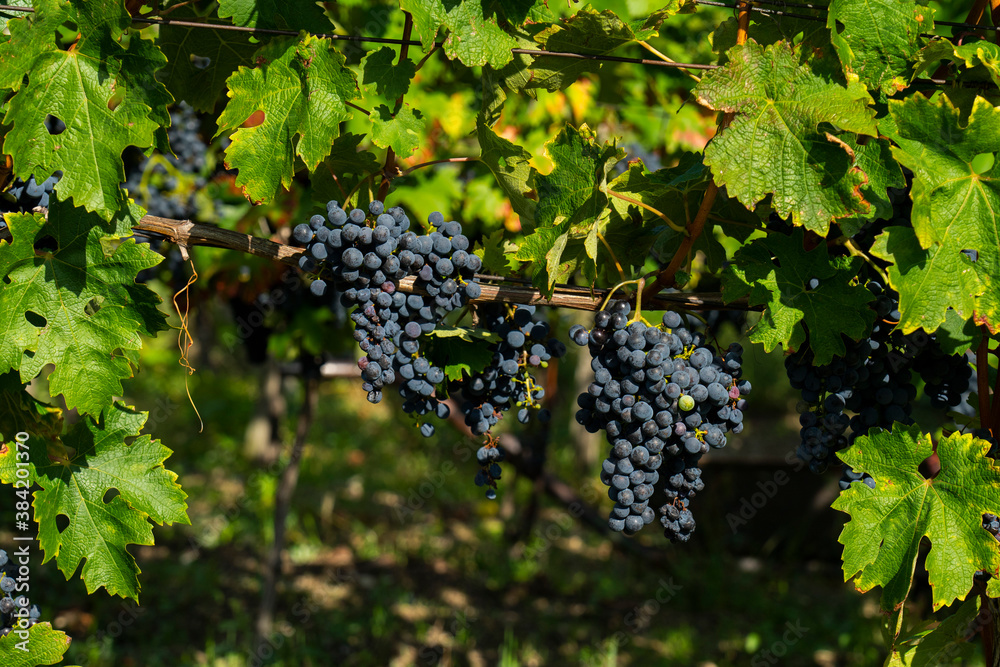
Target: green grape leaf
(544,249)
(459,350)
(877,39)
(400,132)
(299,90)
(511,165)
(391,79)
(981,57)
(882,539)
(7,15)
(199,61)
(775,272)
(957,335)
(574,188)
(77,487)
(30,36)
(85,312)
(954,209)
(474,38)
(104,94)
(941,644)
(776,143)
(42,646)
(298,15)
(595,33)
(340,173)
(495,254)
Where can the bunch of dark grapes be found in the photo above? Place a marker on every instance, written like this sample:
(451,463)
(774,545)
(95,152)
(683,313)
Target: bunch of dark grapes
(873,381)
(662,398)
(15,614)
(169,192)
(364,255)
(506,382)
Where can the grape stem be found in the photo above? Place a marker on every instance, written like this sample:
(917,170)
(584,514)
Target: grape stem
(646,45)
(614,289)
(673,225)
(851,248)
(355,106)
(618,265)
(427,164)
(666,277)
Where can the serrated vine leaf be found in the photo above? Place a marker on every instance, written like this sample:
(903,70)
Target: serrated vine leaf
(877,39)
(42,646)
(199,61)
(775,272)
(574,188)
(776,145)
(300,88)
(76,487)
(942,644)
(30,36)
(391,78)
(400,132)
(297,15)
(979,56)
(882,539)
(954,209)
(511,165)
(104,94)
(85,313)
(591,32)
(475,38)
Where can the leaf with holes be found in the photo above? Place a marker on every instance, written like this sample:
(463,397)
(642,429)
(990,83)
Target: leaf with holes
(882,539)
(775,272)
(776,144)
(954,209)
(104,94)
(199,61)
(101,462)
(299,15)
(400,132)
(290,105)
(878,39)
(74,304)
(43,646)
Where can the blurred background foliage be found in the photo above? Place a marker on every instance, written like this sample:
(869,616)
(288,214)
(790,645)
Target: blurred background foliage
(393,555)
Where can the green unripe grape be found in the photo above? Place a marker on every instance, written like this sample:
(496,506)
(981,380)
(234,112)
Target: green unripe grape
(685,403)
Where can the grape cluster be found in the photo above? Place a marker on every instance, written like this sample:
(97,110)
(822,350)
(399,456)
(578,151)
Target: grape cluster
(14,612)
(870,386)
(364,255)
(24,196)
(662,398)
(166,186)
(506,382)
